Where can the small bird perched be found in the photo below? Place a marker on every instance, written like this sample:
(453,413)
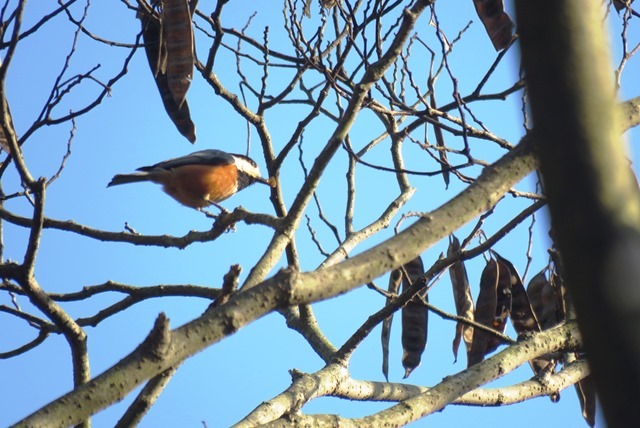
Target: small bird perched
(201,178)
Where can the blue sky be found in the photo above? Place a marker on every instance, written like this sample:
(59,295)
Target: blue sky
(130,129)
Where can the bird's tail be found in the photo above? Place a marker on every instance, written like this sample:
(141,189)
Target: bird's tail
(128,178)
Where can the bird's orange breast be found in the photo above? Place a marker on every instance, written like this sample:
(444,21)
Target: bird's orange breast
(197,186)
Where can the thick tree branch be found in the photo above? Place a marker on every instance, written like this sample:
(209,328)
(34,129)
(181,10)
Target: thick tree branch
(352,389)
(334,377)
(593,196)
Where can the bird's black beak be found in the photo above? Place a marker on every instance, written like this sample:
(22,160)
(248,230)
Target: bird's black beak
(271,181)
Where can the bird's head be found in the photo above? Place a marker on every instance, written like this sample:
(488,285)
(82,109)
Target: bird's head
(249,168)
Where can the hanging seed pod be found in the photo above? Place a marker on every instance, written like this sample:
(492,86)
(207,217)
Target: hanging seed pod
(157,57)
(492,309)
(544,301)
(414,319)
(395,279)
(496,22)
(587,395)
(621,4)
(523,317)
(177,32)
(462,298)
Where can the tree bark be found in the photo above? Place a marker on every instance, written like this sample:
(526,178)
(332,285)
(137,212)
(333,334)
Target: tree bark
(593,196)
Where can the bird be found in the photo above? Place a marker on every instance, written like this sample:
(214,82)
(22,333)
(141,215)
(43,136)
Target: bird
(199,179)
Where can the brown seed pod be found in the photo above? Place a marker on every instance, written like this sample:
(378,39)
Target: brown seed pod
(395,279)
(461,297)
(523,317)
(177,33)
(157,57)
(492,309)
(587,395)
(496,22)
(415,318)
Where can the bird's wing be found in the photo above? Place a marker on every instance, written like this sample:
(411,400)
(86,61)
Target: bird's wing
(203,157)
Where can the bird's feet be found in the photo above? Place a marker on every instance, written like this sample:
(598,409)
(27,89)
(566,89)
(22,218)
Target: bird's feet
(220,218)
(209,214)
(212,215)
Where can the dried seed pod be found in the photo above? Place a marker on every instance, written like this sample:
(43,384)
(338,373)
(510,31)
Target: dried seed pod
(177,32)
(621,4)
(523,317)
(395,279)
(587,395)
(503,307)
(461,297)
(492,309)
(414,319)
(496,22)
(544,301)
(157,56)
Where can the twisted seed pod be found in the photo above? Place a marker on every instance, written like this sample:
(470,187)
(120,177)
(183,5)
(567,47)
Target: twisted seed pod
(157,57)
(395,279)
(492,309)
(496,22)
(177,32)
(462,298)
(415,318)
